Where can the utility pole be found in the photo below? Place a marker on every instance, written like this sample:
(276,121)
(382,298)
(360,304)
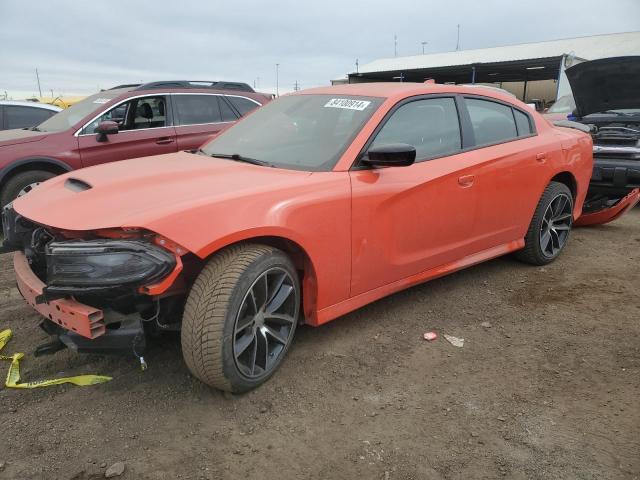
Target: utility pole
(38,78)
(295,86)
(423,44)
(357,65)
(277,79)
(395,45)
(458,39)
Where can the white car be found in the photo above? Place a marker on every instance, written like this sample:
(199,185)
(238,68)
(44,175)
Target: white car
(22,114)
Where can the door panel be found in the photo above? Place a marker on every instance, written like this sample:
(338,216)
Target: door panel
(511,170)
(191,137)
(127,144)
(509,181)
(410,219)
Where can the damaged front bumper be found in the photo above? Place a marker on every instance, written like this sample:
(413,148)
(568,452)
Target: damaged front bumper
(79,327)
(614,188)
(611,213)
(97,295)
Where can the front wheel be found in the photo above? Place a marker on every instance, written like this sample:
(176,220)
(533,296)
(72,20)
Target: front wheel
(22,183)
(550,227)
(240,317)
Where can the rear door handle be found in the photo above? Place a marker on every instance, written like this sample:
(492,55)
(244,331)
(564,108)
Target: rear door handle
(466,180)
(164,140)
(541,157)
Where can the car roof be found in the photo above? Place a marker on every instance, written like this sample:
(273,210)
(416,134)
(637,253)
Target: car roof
(397,90)
(134,92)
(25,103)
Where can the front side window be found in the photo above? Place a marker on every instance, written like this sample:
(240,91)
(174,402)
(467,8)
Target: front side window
(136,114)
(492,122)
(20,117)
(300,132)
(430,125)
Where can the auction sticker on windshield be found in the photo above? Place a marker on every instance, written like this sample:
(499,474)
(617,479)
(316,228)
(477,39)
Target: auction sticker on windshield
(347,103)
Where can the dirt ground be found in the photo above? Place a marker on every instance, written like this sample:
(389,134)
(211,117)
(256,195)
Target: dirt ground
(550,390)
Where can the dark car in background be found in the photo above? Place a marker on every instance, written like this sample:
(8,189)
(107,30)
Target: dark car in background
(121,123)
(607,102)
(21,114)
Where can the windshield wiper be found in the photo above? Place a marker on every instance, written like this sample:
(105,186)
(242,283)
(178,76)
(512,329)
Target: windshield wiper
(35,129)
(238,158)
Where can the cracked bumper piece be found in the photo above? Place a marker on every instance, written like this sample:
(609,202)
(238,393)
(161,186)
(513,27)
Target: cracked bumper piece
(67,313)
(607,215)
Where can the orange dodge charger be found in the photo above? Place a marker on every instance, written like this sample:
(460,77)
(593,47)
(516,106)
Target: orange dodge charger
(312,206)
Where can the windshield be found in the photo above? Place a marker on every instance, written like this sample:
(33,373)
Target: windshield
(299,132)
(564,104)
(69,117)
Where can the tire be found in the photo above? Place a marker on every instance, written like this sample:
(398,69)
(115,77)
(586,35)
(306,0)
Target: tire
(21,181)
(545,241)
(222,312)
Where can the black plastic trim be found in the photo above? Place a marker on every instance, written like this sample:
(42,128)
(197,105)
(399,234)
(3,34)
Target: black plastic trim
(24,161)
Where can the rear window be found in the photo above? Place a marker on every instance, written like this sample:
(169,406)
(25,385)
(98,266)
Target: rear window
(492,122)
(21,117)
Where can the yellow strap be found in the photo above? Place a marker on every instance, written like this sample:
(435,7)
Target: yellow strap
(13,375)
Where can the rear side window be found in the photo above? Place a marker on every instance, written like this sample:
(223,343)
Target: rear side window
(197,109)
(523,123)
(430,125)
(492,122)
(227,115)
(21,117)
(242,105)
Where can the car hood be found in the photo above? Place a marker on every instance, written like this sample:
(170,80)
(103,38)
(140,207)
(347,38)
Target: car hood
(605,84)
(147,191)
(11,137)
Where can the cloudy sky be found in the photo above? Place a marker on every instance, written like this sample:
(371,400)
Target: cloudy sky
(80,46)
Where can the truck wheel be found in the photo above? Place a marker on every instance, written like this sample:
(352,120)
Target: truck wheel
(550,227)
(240,317)
(22,183)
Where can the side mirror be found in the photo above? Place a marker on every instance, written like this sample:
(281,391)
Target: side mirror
(391,155)
(106,128)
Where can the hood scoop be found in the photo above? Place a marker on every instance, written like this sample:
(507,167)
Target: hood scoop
(76,185)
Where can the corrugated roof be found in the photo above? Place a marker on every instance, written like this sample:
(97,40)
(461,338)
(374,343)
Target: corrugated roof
(588,48)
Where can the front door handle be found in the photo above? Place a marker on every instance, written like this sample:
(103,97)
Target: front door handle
(164,140)
(466,180)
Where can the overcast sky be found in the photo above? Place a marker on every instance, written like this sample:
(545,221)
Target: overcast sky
(80,46)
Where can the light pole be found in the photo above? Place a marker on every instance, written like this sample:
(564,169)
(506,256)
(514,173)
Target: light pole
(423,44)
(277,79)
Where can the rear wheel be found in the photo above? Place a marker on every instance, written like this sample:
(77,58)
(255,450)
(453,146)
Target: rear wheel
(240,317)
(22,183)
(550,227)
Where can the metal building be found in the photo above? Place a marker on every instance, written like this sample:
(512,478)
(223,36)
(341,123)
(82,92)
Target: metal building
(517,68)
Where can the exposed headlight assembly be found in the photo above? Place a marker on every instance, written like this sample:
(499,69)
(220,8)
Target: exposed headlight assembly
(98,264)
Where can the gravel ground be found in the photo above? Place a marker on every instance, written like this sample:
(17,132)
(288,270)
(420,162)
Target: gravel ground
(548,389)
